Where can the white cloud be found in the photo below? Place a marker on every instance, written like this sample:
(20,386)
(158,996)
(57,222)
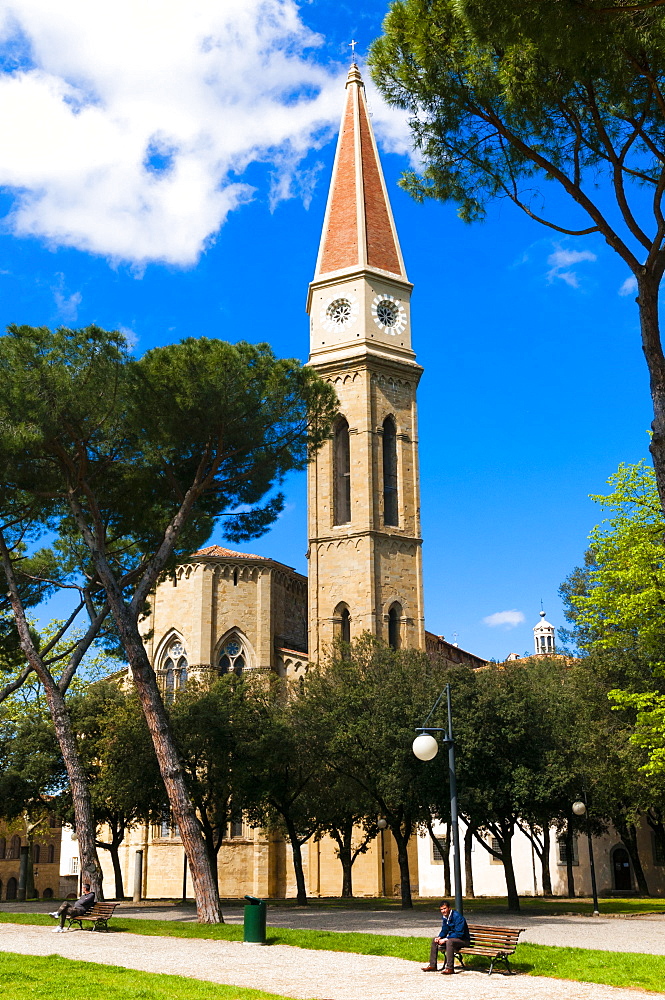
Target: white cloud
(562,259)
(130,336)
(127,127)
(67,305)
(508,619)
(629,286)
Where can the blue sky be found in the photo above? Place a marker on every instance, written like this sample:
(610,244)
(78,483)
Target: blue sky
(167,177)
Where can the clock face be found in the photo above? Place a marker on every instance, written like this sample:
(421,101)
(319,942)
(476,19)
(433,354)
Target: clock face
(389,314)
(339,313)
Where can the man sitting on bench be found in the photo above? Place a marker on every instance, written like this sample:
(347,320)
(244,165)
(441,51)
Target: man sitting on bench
(454,934)
(77,909)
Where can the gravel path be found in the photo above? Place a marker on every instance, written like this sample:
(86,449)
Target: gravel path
(293,972)
(639,933)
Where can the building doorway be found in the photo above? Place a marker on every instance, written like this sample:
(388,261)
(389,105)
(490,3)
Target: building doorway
(621,870)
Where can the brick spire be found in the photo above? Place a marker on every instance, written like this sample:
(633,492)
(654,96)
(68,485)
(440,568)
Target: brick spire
(358,230)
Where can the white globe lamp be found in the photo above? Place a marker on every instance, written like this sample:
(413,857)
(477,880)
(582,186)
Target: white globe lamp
(425,747)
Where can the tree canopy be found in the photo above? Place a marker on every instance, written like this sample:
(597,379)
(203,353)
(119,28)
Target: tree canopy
(509,96)
(132,462)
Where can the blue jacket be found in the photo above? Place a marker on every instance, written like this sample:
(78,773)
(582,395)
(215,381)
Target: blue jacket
(454,927)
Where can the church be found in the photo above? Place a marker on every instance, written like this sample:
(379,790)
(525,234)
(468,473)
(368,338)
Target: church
(228,611)
(225,611)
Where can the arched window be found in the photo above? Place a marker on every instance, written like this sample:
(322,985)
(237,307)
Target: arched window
(15,847)
(233,658)
(174,669)
(390,511)
(36,852)
(394,623)
(341,473)
(12,886)
(48,894)
(3,848)
(50,857)
(342,623)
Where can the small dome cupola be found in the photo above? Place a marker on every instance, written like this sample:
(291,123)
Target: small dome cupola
(543,637)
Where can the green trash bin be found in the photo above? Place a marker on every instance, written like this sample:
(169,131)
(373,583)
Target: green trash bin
(255,921)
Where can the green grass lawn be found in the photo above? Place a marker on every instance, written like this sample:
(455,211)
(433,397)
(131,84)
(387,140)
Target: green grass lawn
(55,978)
(581,964)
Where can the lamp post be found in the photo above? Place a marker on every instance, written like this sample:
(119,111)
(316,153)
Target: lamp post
(581,808)
(382,824)
(425,747)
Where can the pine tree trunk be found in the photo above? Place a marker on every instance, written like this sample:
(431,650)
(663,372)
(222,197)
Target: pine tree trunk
(468,863)
(647,300)
(301,888)
(83,817)
(628,834)
(509,870)
(545,861)
(84,821)
(204,877)
(655,821)
(114,850)
(346,860)
(403,861)
(443,848)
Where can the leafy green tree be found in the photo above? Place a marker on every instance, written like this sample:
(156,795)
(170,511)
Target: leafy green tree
(514,771)
(279,767)
(55,657)
(138,459)
(207,725)
(618,600)
(506,95)
(369,700)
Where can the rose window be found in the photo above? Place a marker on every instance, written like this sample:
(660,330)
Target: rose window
(339,312)
(232,659)
(387,313)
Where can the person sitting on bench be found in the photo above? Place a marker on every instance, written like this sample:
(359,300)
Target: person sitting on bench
(77,909)
(454,934)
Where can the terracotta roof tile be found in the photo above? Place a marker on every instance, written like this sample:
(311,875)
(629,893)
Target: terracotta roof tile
(358,230)
(218,552)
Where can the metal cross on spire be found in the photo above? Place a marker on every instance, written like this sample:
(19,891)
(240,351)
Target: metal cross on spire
(352,46)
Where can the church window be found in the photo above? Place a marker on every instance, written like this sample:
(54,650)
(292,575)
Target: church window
(342,473)
(36,852)
(50,857)
(394,626)
(387,313)
(174,670)
(235,577)
(15,847)
(342,623)
(233,659)
(235,829)
(563,851)
(390,515)
(339,312)
(437,856)
(3,848)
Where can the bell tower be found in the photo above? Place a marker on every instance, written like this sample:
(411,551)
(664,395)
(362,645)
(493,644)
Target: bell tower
(365,546)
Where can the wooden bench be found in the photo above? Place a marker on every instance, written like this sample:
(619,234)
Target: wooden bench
(496,943)
(99,917)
